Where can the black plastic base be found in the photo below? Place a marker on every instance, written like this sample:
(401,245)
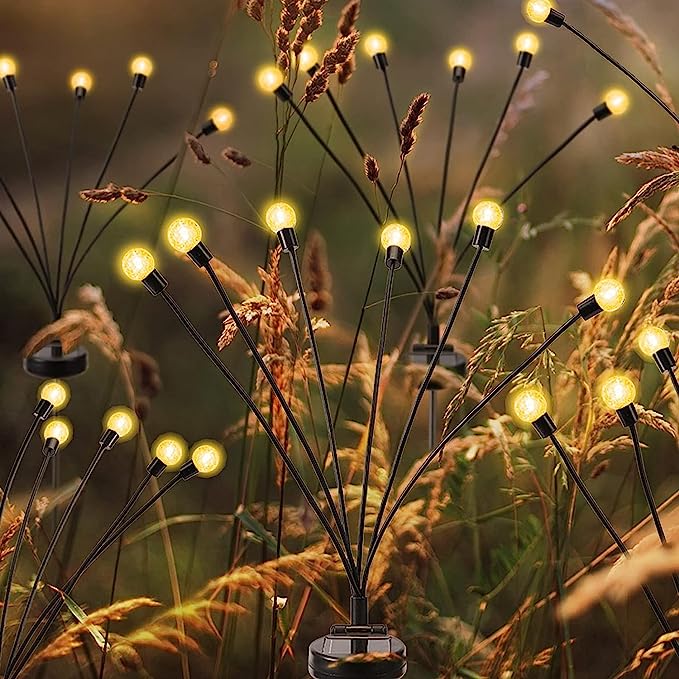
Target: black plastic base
(665,360)
(601,112)
(555,18)
(380,60)
(200,255)
(589,308)
(288,239)
(283,92)
(628,415)
(544,426)
(139,81)
(394,257)
(459,72)
(51,362)
(524,59)
(342,654)
(483,237)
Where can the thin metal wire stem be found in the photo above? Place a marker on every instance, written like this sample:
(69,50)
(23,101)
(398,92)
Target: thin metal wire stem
(446,160)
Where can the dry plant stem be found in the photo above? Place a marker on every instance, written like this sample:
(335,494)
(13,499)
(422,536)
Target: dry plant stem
(648,493)
(18,543)
(378,533)
(571,137)
(400,449)
(344,526)
(486,155)
(446,157)
(624,70)
(374,401)
(601,515)
(52,546)
(252,345)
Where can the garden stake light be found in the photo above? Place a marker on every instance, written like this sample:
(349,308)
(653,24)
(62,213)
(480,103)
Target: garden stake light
(654,343)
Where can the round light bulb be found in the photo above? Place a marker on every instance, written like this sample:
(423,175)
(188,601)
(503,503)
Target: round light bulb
(617,391)
(141,65)
(269,78)
(527,42)
(375,43)
(184,234)
(81,79)
(609,294)
(137,263)
(652,339)
(617,101)
(7,66)
(56,392)
(396,235)
(222,117)
(537,11)
(122,421)
(280,215)
(460,57)
(171,449)
(209,457)
(488,213)
(308,57)
(527,404)
(58,428)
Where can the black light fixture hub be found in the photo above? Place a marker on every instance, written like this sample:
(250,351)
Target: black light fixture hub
(357,652)
(52,362)
(450,359)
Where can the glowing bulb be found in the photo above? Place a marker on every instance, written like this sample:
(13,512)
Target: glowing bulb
(617,101)
(122,421)
(209,457)
(222,117)
(375,43)
(609,294)
(56,392)
(81,79)
(537,10)
(652,339)
(527,404)
(527,42)
(269,78)
(308,57)
(184,234)
(488,213)
(171,449)
(398,235)
(7,67)
(460,57)
(137,263)
(141,65)
(58,428)
(281,215)
(617,391)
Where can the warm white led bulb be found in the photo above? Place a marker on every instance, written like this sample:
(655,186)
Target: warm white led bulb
(527,42)
(460,57)
(222,117)
(617,101)
(375,43)
(56,392)
(618,391)
(58,428)
(269,78)
(141,65)
(527,404)
(8,67)
(652,339)
(137,263)
(396,235)
(280,215)
(171,450)
(122,421)
(488,213)
(308,57)
(609,294)
(81,79)
(537,10)
(184,234)
(209,457)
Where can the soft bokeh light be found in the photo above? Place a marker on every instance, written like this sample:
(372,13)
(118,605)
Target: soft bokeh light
(460,56)
(141,65)
(375,43)
(171,449)
(7,66)
(537,10)
(209,457)
(222,117)
(527,42)
(308,57)
(123,421)
(269,78)
(81,79)
(609,294)
(617,101)
(652,339)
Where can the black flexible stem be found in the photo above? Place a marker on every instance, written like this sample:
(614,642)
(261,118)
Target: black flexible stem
(400,449)
(446,157)
(34,186)
(486,155)
(18,544)
(624,70)
(379,534)
(389,287)
(52,546)
(648,493)
(294,472)
(675,382)
(252,345)
(571,137)
(601,515)
(332,442)
(419,265)
(67,190)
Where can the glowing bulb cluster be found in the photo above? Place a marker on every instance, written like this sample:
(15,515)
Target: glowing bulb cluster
(184,234)
(652,339)
(58,428)
(488,213)
(171,449)
(280,215)
(375,43)
(527,404)
(537,11)
(269,78)
(222,117)
(396,235)
(81,79)
(122,421)
(8,67)
(209,457)
(460,57)
(56,392)
(527,42)
(137,263)
(617,391)
(308,57)
(609,294)
(141,65)
(617,101)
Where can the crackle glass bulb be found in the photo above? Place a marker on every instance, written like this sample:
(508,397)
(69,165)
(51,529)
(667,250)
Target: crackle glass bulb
(183,234)
(280,215)
(488,213)
(528,404)
(171,449)
(122,421)
(618,391)
(58,428)
(56,392)
(537,10)
(398,235)
(209,457)
(652,339)
(609,294)
(137,263)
